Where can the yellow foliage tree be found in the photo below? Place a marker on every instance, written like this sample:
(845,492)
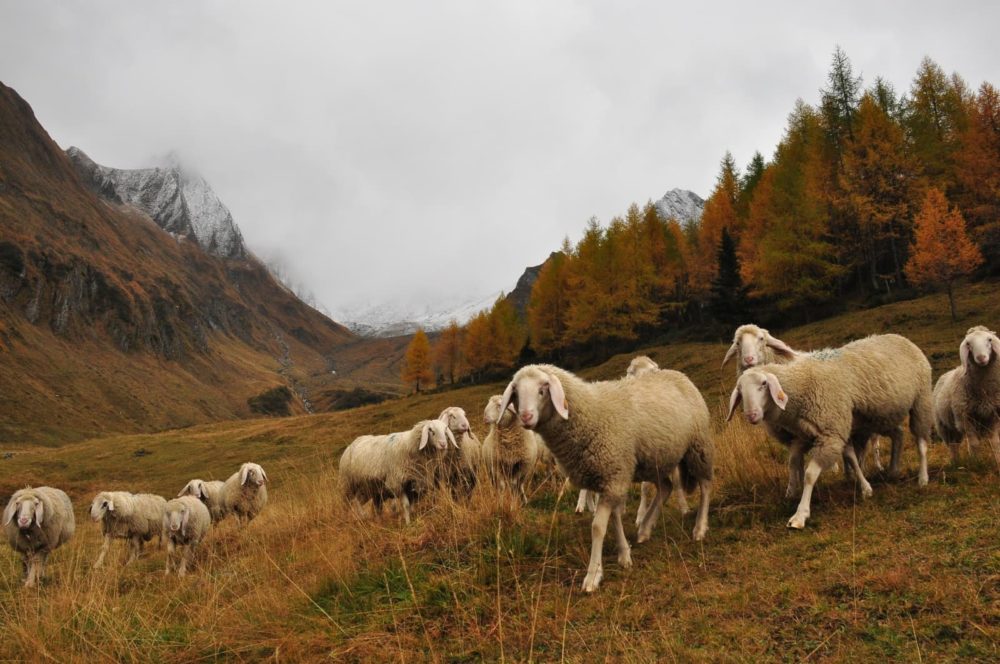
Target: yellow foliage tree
(417,362)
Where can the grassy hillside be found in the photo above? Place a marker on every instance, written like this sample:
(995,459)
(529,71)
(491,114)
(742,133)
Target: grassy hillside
(910,574)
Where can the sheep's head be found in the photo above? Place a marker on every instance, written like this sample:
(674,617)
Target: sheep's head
(196,488)
(437,433)
(176,517)
(252,474)
(491,415)
(535,395)
(103,503)
(455,419)
(27,506)
(759,391)
(980,346)
(640,365)
(750,344)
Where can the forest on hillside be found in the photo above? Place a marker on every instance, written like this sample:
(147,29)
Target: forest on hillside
(869,197)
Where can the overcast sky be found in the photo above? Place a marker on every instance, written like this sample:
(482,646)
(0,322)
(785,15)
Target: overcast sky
(431,150)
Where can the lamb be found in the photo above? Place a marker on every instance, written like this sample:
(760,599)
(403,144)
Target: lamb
(244,493)
(459,470)
(398,465)
(44,522)
(211,493)
(967,398)
(133,517)
(833,403)
(607,435)
(509,451)
(186,520)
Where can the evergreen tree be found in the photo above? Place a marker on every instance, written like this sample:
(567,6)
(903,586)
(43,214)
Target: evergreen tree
(729,295)
(840,99)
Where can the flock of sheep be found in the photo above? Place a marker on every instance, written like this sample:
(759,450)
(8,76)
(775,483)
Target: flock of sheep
(39,520)
(651,426)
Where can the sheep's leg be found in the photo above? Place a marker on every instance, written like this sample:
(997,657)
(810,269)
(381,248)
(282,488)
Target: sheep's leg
(598,529)
(170,555)
(876,451)
(701,521)
(182,570)
(652,513)
(851,461)
(105,545)
(624,550)
(32,575)
(581,501)
(923,477)
(405,502)
(822,457)
(796,468)
(592,499)
(643,505)
(897,449)
(678,491)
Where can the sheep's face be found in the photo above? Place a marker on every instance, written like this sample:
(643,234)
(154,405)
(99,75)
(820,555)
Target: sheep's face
(750,344)
(102,504)
(492,413)
(251,474)
(455,419)
(641,365)
(176,518)
(25,510)
(437,434)
(194,488)
(758,391)
(980,346)
(535,395)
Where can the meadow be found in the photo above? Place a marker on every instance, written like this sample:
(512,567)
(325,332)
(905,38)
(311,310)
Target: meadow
(910,574)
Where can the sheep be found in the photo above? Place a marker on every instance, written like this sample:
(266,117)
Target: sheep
(753,346)
(244,493)
(509,451)
(211,493)
(607,435)
(639,365)
(398,465)
(967,398)
(186,520)
(833,403)
(134,517)
(44,523)
(459,470)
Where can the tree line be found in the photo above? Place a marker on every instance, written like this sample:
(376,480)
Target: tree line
(869,195)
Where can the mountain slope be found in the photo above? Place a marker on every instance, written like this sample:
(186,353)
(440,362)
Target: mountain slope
(680,204)
(95,296)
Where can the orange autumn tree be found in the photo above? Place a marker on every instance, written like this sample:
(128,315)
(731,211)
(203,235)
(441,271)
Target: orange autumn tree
(417,363)
(942,251)
(448,351)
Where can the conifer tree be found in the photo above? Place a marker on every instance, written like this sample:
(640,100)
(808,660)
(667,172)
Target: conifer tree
(417,362)
(728,303)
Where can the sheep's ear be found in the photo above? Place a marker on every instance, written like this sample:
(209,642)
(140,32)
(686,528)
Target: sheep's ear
(505,400)
(8,513)
(424,435)
(734,400)
(995,343)
(965,352)
(244,474)
(558,397)
(184,491)
(185,517)
(264,475)
(730,353)
(111,505)
(451,437)
(778,394)
(39,511)
(778,345)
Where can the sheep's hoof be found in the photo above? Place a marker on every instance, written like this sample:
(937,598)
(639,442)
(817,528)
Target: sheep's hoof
(866,491)
(699,532)
(922,481)
(625,558)
(798,521)
(643,536)
(592,580)
(579,509)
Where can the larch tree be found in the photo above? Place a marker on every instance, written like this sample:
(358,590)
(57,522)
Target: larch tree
(417,370)
(448,351)
(549,303)
(978,168)
(719,213)
(942,252)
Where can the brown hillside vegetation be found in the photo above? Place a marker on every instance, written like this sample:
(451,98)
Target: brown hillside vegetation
(910,574)
(107,323)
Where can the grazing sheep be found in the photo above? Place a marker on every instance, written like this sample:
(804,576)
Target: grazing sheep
(607,435)
(185,522)
(967,398)
(211,493)
(459,470)
(830,404)
(509,452)
(134,517)
(244,493)
(398,465)
(37,522)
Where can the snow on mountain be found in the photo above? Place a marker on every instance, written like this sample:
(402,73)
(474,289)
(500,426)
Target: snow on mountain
(680,204)
(391,319)
(178,200)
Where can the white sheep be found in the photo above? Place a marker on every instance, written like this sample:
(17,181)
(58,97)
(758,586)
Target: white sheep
(211,493)
(185,522)
(967,398)
(398,465)
(459,470)
(509,451)
(833,403)
(133,517)
(44,522)
(245,492)
(607,435)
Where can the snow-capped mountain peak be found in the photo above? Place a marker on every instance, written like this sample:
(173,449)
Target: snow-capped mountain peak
(680,204)
(396,318)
